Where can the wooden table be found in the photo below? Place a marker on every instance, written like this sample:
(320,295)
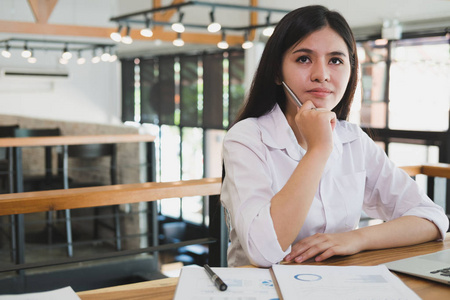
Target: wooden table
(164,289)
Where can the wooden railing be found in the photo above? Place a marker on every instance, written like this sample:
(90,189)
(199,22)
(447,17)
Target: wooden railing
(42,201)
(53,200)
(432,170)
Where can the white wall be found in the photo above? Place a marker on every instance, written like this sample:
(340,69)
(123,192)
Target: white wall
(91,92)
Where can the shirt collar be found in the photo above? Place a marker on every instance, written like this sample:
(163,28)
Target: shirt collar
(277,134)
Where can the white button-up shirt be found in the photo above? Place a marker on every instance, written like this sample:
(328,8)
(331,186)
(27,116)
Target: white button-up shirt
(260,154)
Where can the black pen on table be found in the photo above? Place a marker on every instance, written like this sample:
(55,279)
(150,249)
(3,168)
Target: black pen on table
(216,279)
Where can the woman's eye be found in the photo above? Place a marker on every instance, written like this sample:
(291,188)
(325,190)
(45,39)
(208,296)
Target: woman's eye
(336,61)
(303,59)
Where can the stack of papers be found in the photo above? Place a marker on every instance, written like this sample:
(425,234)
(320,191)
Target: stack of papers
(289,282)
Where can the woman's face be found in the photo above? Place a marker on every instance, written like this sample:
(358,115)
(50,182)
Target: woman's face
(318,68)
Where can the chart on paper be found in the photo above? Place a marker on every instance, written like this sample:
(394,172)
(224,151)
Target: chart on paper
(320,282)
(243,283)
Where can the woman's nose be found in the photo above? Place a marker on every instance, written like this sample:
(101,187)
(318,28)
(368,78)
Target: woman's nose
(320,72)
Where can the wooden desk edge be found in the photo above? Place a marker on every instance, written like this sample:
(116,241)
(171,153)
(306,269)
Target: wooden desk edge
(164,289)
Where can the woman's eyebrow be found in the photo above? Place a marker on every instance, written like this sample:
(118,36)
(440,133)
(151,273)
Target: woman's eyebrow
(309,51)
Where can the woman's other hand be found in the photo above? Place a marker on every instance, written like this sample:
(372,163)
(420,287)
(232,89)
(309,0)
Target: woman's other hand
(322,246)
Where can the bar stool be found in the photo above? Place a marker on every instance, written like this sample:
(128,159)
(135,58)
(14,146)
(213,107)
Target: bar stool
(92,152)
(46,181)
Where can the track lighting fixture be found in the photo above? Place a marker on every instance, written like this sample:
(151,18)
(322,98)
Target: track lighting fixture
(6,53)
(115,36)
(66,53)
(223,43)
(269,29)
(81,60)
(247,43)
(95,58)
(127,38)
(30,46)
(178,26)
(213,26)
(147,31)
(113,58)
(26,52)
(105,55)
(179,41)
(31,59)
(145,19)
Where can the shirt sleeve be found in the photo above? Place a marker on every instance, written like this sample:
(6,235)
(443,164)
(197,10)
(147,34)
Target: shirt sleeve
(391,193)
(246,194)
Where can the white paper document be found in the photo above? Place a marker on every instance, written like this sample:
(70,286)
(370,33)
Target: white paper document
(66,293)
(243,283)
(333,282)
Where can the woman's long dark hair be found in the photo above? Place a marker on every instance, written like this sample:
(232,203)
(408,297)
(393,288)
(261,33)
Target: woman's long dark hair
(294,27)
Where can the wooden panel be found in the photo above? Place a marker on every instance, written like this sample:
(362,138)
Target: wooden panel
(41,201)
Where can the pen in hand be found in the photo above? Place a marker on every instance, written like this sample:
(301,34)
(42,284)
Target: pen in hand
(291,93)
(216,279)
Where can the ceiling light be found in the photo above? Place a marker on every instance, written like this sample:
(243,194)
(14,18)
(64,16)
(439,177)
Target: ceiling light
(127,38)
(6,53)
(63,61)
(113,58)
(269,29)
(32,59)
(179,41)
(147,31)
(105,56)
(178,26)
(223,43)
(95,58)
(247,44)
(213,26)
(66,53)
(115,36)
(26,52)
(81,60)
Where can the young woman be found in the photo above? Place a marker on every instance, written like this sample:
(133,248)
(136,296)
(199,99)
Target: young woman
(297,178)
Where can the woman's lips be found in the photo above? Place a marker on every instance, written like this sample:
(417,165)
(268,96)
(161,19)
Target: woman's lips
(320,92)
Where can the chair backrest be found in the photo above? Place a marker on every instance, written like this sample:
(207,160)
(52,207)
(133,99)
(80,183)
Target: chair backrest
(6,131)
(26,132)
(91,151)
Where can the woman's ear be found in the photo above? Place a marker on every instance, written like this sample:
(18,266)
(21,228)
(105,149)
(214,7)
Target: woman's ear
(278,81)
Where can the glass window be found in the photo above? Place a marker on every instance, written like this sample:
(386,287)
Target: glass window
(170,166)
(419,84)
(403,154)
(371,94)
